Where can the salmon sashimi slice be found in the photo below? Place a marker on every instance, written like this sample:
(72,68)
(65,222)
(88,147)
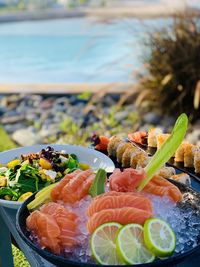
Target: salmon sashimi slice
(78,187)
(73,187)
(66,221)
(57,210)
(55,226)
(127,180)
(119,201)
(68,229)
(123,216)
(161,187)
(55,193)
(47,230)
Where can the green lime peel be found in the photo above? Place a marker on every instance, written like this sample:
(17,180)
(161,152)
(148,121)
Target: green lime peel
(167,149)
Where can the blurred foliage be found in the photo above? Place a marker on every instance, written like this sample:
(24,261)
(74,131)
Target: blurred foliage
(19,258)
(85,96)
(104,123)
(171,81)
(5,141)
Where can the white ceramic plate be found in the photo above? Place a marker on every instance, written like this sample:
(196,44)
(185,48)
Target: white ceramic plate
(85,155)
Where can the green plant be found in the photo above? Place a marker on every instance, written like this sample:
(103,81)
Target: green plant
(171,81)
(5,141)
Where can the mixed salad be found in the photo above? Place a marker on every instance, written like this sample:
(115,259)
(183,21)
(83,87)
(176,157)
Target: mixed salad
(23,176)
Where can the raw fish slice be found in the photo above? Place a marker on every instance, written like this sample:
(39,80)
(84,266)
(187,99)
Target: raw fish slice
(75,190)
(83,191)
(55,193)
(57,210)
(68,231)
(121,215)
(119,201)
(115,193)
(127,180)
(161,187)
(47,230)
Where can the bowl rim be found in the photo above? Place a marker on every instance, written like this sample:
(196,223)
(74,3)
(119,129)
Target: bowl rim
(19,150)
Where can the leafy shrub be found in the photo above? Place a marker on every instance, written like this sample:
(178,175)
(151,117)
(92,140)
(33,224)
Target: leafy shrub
(171,81)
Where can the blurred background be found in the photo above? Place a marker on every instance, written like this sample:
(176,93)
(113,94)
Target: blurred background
(71,68)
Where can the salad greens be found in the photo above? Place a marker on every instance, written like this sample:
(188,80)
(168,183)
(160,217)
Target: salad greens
(32,172)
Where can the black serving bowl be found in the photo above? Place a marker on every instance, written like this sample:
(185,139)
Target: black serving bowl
(23,213)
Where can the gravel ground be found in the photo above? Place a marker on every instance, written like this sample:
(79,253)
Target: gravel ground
(72,119)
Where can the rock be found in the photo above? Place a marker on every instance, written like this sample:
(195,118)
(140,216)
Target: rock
(121,115)
(11,128)
(152,118)
(2,110)
(47,103)
(108,101)
(26,137)
(30,116)
(12,119)
(194,136)
(51,130)
(61,101)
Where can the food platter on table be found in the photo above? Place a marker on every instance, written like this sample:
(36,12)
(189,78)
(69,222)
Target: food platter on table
(59,260)
(144,214)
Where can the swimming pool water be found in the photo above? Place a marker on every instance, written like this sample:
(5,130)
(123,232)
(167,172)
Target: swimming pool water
(70,50)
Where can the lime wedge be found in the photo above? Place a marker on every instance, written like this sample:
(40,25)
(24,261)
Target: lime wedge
(159,237)
(103,244)
(131,247)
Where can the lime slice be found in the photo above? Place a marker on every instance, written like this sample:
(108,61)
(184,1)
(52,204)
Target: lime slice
(131,247)
(159,237)
(103,244)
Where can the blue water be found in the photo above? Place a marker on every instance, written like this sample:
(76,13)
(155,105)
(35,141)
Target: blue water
(71,50)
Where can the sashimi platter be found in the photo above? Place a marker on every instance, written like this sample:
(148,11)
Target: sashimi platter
(143,213)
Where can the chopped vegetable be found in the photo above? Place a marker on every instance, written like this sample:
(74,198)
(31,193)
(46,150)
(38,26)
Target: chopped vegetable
(84,166)
(13,163)
(35,171)
(98,185)
(45,164)
(14,194)
(167,149)
(25,196)
(3,181)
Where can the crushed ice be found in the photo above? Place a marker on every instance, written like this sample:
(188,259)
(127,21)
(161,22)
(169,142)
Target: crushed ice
(183,218)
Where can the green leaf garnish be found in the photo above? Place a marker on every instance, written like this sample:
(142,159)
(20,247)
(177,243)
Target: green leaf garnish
(98,185)
(167,149)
